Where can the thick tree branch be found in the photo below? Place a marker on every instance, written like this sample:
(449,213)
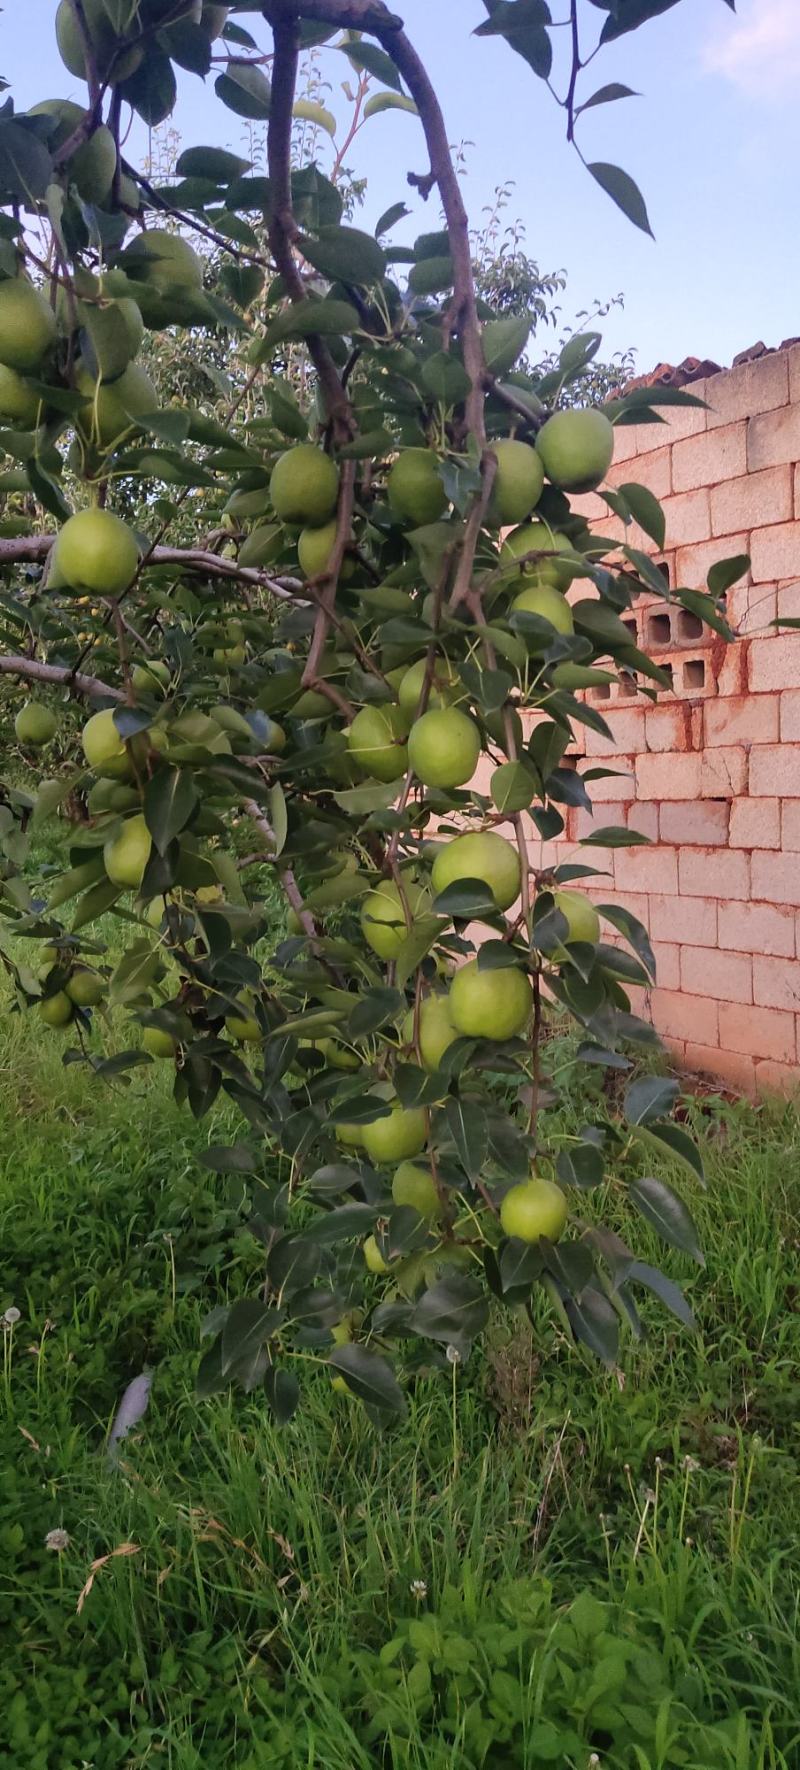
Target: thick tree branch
(60,676)
(27,549)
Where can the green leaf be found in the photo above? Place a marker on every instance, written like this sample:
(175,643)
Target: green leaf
(345,254)
(669,1293)
(649,1098)
(286,412)
(169,800)
(283,1394)
(344,1223)
(504,341)
(389,101)
(249,1325)
(513,787)
(211,162)
(26,167)
(278,816)
(374,1010)
(668,1215)
(453,1310)
(151,90)
(445,378)
(628,15)
(634,932)
(607,95)
(95,902)
(594,1322)
(390,217)
(727,572)
(370,1378)
(622,190)
(646,510)
(229,1158)
(47,490)
(135,972)
(671,1140)
(326,319)
(431,276)
(414,947)
(245,90)
(367,57)
(466,1122)
(614,836)
(307,110)
(465,898)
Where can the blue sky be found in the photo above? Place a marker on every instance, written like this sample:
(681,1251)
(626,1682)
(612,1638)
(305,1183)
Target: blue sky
(713,144)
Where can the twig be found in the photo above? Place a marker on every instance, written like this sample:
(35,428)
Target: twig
(61,675)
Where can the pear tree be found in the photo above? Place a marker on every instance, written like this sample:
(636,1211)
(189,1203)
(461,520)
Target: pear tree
(359,697)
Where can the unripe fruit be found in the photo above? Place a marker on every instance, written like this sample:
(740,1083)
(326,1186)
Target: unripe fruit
(27,325)
(403,1133)
(98,552)
(517,484)
(339,1386)
(583,922)
(275,741)
(490,1004)
(373,1256)
(415,491)
(549,604)
(376,741)
(152,678)
(112,407)
(166,261)
(103,747)
(480,854)
(576,449)
(314,548)
(244,1027)
(304,486)
(56,1010)
(336,1055)
(104,43)
(443,748)
(93,165)
(157,1042)
(446,686)
(436,1030)
(19,405)
(538,537)
(85,988)
(35,724)
(383,922)
(414,1185)
(126,855)
(534,1208)
(350,1136)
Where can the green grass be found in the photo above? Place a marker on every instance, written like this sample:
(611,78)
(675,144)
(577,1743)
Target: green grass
(256,1607)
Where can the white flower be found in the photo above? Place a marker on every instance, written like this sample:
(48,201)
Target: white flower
(453,1355)
(11,1317)
(58,1540)
(418,1589)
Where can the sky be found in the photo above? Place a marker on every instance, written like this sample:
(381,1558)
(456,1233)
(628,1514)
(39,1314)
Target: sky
(713,143)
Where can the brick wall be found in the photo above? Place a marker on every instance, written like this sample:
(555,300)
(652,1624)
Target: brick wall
(712,772)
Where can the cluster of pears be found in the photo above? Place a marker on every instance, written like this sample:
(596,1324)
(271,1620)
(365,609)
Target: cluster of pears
(69,986)
(116,60)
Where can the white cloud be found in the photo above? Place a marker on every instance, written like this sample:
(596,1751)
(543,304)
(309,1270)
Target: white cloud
(760,52)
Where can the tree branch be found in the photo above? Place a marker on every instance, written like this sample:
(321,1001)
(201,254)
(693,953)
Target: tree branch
(327,601)
(27,549)
(59,675)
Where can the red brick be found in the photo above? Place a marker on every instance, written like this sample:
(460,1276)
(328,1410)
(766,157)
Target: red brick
(636,903)
(773,437)
(669,776)
(643,818)
(760,386)
(751,502)
(705,460)
(654,470)
(627,726)
(668,727)
(777,1078)
(692,922)
(776,877)
(775,552)
(774,663)
(757,928)
(668,968)
(790,826)
(775,769)
(686,1017)
(688,517)
(694,563)
(752,607)
(760,1032)
(755,823)
(741,719)
(687,420)
(723,772)
(776,983)
(617,785)
(707,971)
(698,821)
(646,869)
(728,1067)
(790,717)
(703,870)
